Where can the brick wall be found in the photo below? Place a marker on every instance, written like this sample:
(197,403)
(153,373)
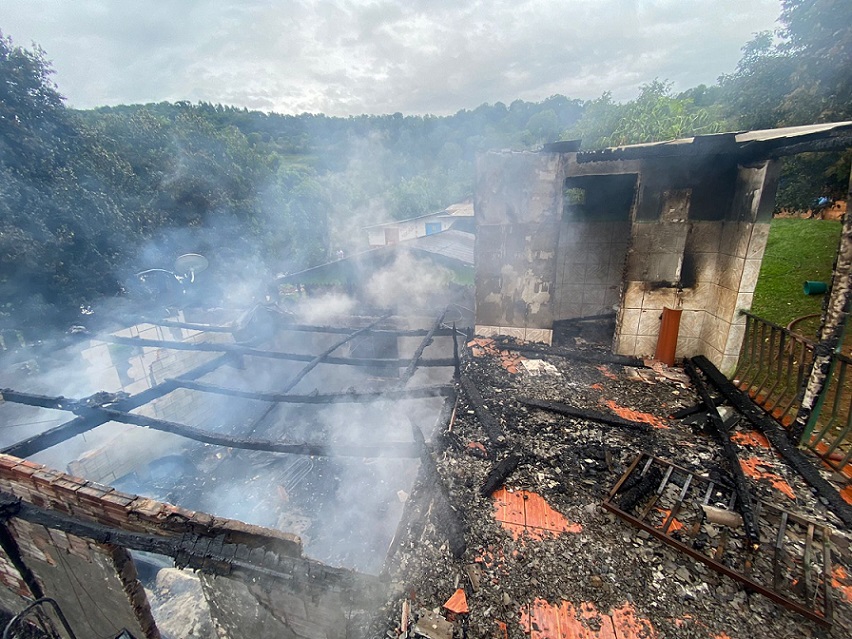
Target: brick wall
(300,598)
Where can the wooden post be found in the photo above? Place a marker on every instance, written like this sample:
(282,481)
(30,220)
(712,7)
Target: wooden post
(834,314)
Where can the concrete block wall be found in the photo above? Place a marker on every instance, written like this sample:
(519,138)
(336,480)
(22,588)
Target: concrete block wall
(697,230)
(518,208)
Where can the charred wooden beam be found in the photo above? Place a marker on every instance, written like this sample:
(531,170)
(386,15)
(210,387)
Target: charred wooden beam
(489,423)
(90,419)
(602,358)
(778,438)
(582,413)
(456,356)
(40,401)
(210,554)
(354,397)
(281,325)
(413,519)
(238,349)
(689,410)
(451,519)
(385,449)
(316,361)
(498,474)
(418,353)
(729,451)
(250,431)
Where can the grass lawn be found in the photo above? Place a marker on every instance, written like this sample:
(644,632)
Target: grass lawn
(797,250)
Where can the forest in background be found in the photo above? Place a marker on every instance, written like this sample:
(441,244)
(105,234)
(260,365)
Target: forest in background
(90,197)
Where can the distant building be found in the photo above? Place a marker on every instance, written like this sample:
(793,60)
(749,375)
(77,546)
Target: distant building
(459,216)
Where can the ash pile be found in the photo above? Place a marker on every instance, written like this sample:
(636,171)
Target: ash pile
(573,493)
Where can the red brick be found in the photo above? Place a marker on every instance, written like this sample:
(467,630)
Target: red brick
(7,462)
(145,507)
(118,499)
(28,464)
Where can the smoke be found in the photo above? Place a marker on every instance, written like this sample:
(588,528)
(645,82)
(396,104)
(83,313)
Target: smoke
(325,308)
(345,508)
(408,284)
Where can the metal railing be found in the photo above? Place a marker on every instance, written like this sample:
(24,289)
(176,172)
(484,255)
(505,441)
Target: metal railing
(773,368)
(829,433)
(42,619)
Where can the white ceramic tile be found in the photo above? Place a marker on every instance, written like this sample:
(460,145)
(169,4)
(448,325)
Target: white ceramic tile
(633,295)
(487,331)
(751,271)
(646,346)
(649,322)
(625,345)
(540,335)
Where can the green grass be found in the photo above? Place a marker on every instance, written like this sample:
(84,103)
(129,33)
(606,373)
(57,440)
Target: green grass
(797,250)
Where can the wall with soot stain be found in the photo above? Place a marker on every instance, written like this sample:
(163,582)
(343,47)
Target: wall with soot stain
(691,237)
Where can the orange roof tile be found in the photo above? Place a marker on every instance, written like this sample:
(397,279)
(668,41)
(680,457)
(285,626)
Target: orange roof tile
(457,603)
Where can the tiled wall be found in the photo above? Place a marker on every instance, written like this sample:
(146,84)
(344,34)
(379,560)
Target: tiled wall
(724,258)
(589,268)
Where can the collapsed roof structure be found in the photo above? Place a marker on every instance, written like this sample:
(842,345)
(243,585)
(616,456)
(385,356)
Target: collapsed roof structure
(328,467)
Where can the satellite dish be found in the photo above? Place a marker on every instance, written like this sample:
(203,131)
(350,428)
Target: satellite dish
(190,264)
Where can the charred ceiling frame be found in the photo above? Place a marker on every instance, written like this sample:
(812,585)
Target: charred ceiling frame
(102,408)
(215,547)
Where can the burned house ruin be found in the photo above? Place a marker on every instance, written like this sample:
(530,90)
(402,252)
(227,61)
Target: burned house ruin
(326,464)
(565,234)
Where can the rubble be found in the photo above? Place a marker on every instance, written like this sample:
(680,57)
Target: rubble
(585,572)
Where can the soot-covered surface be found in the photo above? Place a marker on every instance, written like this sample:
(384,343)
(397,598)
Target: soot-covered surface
(543,558)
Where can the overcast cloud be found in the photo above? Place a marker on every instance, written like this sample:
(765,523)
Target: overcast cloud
(345,57)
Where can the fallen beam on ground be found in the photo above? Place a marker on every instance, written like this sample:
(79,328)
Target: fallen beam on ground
(452,521)
(498,474)
(489,423)
(689,410)
(602,358)
(413,520)
(778,438)
(582,413)
(729,451)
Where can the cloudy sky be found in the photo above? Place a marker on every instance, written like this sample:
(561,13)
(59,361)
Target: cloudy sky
(345,57)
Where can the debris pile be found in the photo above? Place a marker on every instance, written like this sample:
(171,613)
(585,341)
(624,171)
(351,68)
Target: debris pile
(528,462)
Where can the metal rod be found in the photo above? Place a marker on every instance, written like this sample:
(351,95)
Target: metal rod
(779,543)
(35,604)
(806,561)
